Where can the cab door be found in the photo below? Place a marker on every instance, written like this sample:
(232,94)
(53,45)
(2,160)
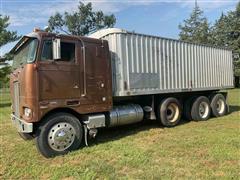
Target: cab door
(97,75)
(59,79)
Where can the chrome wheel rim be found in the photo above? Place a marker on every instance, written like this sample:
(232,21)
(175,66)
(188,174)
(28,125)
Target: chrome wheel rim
(172,112)
(220,106)
(203,109)
(61,136)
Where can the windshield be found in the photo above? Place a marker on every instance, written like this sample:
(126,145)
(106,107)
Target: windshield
(26,53)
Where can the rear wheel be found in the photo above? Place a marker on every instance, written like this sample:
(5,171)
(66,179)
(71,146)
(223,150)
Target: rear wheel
(61,133)
(201,109)
(218,105)
(169,112)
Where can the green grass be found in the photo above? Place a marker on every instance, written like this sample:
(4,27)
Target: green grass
(192,150)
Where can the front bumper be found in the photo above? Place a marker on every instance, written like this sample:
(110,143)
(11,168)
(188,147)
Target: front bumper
(21,125)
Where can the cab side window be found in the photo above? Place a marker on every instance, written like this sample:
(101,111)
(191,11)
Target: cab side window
(67,51)
(47,51)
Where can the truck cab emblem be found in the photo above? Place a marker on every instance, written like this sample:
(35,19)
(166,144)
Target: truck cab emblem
(75,87)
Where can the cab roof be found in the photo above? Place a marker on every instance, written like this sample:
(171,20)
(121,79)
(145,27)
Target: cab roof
(41,34)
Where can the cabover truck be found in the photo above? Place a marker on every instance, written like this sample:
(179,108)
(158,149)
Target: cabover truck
(64,88)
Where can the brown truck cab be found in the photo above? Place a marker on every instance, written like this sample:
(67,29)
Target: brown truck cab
(75,78)
(64,88)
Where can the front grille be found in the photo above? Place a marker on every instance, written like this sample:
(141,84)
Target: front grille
(16,98)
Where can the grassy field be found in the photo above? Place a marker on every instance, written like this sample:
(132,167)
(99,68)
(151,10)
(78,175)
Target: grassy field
(192,150)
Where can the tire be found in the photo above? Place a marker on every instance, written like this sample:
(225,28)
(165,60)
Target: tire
(26,136)
(169,112)
(59,134)
(218,105)
(201,109)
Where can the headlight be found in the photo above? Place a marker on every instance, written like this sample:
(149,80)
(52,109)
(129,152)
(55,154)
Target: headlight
(27,112)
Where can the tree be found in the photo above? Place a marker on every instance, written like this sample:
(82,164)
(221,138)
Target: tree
(6,36)
(219,31)
(196,28)
(81,22)
(234,40)
(226,32)
(4,72)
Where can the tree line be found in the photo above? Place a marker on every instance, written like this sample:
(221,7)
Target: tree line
(224,32)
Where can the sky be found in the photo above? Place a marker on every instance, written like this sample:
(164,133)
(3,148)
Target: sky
(154,17)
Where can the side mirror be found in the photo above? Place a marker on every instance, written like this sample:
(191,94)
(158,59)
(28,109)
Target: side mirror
(56,49)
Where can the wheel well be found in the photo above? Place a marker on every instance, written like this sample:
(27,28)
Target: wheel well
(53,111)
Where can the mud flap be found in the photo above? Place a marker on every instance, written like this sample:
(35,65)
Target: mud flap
(85,134)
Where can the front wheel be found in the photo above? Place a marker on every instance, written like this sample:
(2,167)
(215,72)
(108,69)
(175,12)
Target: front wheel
(59,134)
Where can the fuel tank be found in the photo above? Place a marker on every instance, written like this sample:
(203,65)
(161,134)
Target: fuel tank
(125,114)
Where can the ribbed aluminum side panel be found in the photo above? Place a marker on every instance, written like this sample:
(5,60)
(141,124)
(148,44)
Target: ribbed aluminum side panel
(147,65)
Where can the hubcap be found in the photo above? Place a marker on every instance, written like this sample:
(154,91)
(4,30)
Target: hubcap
(172,112)
(203,109)
(61,136)
(220,106)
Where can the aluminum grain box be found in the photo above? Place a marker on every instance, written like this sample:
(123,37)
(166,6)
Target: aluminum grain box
(143,64)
